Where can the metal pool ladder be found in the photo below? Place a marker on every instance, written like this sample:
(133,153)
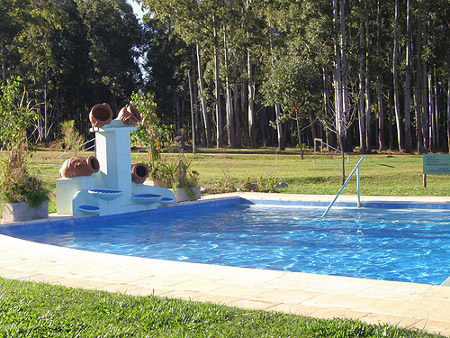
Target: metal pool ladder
(345,184)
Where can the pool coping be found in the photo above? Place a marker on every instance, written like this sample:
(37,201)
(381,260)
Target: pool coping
(409,305)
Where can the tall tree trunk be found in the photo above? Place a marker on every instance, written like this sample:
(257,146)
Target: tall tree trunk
(381,137)
(263,123)
(436,111)
(361,123)
(219,137)
(418,114)
(367,89)
(431,121)
(178,110)
(244,108)
(197,130)
(425,124)
(389,118)
(228,101)
(312,126)
(337,75)
(277,105)
(421,143)
(344,67)
(251,102)
(236,112)
(381,131)
(299,135)
(191,101)
(395,75)
(203,99)
(250,82)
(326,102)
(45,114)
(408,139)
(448,111)
(338,87)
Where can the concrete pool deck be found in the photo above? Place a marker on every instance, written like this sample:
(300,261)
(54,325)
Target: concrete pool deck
(404,304)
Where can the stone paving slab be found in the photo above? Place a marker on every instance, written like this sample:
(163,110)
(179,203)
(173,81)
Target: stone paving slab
(404,304)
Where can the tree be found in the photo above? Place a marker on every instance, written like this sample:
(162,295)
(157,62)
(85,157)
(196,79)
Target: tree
(395,77)
(296,86)
(408,140)
(114,35)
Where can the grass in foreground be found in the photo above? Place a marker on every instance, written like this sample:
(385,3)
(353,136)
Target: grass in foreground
(42,310)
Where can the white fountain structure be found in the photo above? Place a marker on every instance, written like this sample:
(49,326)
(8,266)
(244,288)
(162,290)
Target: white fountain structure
(110,190)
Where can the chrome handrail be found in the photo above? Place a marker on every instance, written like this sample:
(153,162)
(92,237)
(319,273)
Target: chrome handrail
(345,184)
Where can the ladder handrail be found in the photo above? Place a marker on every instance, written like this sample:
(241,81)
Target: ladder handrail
(321,152)
(345,184)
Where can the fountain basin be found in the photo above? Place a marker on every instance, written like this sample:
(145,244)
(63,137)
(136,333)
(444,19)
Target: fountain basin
(105,194)
(146,198)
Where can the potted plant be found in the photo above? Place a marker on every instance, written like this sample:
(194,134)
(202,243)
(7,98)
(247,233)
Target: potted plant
(24,195)
(163,172)
(185,181)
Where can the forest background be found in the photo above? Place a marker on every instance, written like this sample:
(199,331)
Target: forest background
(364,74)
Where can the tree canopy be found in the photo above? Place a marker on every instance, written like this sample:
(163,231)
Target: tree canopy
(375,72)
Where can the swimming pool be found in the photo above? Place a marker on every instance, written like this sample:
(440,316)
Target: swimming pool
(397,245)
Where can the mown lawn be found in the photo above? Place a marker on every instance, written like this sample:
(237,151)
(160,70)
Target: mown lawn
(381,174)
(43,310)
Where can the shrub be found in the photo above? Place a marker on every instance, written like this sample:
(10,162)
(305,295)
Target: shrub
(71,138)
(17,185)
(16,116)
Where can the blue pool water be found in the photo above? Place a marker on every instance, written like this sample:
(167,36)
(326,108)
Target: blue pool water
(397,245)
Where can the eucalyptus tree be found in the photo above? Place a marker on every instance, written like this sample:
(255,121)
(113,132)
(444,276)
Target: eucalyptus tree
(230,21)
(395,77)
(166,60)
(273,14)
(192,22)
(379,59)
(408,139)
(248,13)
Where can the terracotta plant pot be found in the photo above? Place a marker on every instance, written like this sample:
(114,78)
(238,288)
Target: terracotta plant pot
(129,115)
(100,115)
(139,172)
(79,166)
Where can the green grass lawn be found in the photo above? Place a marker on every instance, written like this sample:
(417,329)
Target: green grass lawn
(381,174)
(42,310)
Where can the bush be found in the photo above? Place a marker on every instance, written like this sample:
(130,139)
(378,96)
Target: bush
(18,185)
(151,133)
(71,138)
(16,116)
(267,184)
